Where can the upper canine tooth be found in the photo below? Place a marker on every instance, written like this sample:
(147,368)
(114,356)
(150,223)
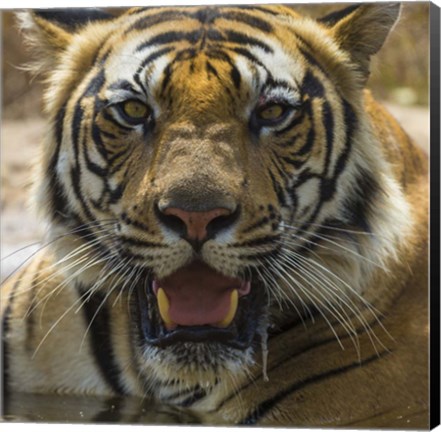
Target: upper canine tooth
(164,305)
(234,301)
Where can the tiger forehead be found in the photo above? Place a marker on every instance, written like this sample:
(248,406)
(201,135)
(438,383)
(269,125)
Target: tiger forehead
(206,16)
(200,51)
(197,29)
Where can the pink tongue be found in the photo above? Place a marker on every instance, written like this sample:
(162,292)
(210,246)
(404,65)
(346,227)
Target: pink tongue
(198,295)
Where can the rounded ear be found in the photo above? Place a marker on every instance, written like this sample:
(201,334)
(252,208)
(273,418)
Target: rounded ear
(49,31)
(362,29)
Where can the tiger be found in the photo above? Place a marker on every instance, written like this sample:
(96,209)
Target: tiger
(236,228)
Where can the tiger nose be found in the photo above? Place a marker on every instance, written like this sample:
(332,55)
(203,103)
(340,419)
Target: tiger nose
(197,226)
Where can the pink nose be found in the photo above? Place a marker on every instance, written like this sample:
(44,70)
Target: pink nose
(197,222)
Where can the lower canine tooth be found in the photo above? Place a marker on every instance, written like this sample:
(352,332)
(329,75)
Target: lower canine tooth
(234,300)
(164,305)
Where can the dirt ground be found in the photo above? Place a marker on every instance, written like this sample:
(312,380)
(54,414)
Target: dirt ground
(19,147)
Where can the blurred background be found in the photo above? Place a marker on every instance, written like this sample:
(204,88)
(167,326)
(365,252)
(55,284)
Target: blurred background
(399,77)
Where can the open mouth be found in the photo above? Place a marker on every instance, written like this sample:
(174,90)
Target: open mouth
(199,304)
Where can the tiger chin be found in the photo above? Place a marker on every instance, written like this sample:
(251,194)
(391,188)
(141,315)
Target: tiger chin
(228,209)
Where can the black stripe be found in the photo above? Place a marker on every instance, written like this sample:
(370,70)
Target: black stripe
(149,21)
(297,164)
(101,339)
(178,394)
(122,163)
(332,18)
(116,194)
(215,35)
(358,207)
(92,166)
(304,176)
(75,178)
(96,137)
(289,141)
(260,223)
(275,159)
(328,123)
(109,118)
(211,70)
(92,89)
(115,158)
(311,59)
(305,110)
(122,84)
(102,132)
(277,189)
(218,54)
(166,77)
(197,395)
(205,15)
(242,38)
(312,86)
(139,10)
(151,58)
(171,37)
(328,185)
(76,128)
(57,196)
(262,9)
(245,53)
(267,405)
(251,20)
(296,120)
(235,76)
(351,124)
(186,54)
(271,82)
(95,84)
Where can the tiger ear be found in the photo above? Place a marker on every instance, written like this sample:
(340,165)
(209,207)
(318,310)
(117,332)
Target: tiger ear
(362,29)
(49,31)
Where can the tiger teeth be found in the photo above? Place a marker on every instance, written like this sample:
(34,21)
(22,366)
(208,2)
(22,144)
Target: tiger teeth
(234,301)
(164,305)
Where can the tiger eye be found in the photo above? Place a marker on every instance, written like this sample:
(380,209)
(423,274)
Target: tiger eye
(135,109)
(271,112)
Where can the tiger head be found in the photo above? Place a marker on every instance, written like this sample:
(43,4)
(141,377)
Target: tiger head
(197,156)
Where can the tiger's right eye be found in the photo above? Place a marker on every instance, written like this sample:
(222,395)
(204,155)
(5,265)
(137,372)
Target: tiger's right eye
(271,113)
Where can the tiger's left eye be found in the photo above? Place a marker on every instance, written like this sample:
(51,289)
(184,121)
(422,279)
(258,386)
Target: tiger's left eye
(135,109)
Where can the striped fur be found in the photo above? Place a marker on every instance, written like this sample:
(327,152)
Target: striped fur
(330,227)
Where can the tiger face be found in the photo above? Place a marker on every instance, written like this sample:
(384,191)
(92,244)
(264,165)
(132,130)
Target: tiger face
(191,151)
